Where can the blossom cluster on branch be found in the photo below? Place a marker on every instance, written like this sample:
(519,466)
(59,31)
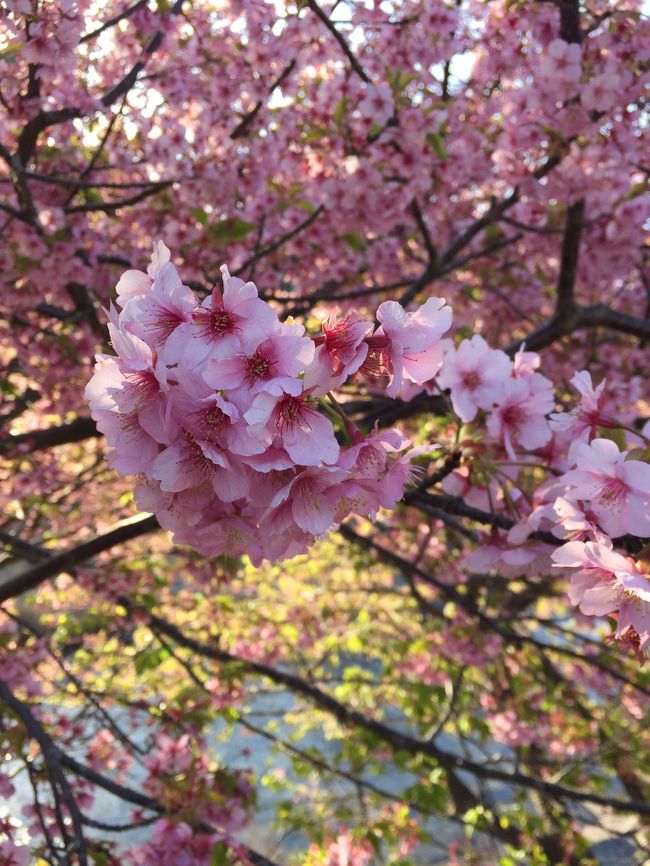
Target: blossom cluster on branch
(226,414)
(223,411)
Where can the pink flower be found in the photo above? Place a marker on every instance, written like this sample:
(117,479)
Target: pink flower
(603,92)
(14,855)
(475,374)
(339,352)
(156,316)
(134,284)
(581,424)
(617,490)
(311,499)
(209,417)
(410,342)
(562,60)
(294,423)
(519,414)
(195,463)
(607,582)
(269,365)
(223,323)
(377,103)
(7,790)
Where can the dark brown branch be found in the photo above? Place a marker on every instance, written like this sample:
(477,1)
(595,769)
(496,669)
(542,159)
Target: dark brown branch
(121,16)
(52,756)
(56,758)
(354,63)
(400,741)
(275,245)
(68,559)
(565,293)
(596,316)
(243,125)
(45,119)
(424,232)
(570,20)
(48,437)
(112,206)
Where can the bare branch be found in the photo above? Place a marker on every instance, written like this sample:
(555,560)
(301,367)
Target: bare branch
(68,559)
(75,431)
(565,293)
(243,125)
(354,63)
(121,16)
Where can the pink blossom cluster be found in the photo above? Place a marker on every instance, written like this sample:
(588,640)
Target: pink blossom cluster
(179,776)
(174,843)
(19,663)
(224,411)
(599,494)
(515,396)
(596,494)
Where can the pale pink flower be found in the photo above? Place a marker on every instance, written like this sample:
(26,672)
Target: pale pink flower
(581,423)
(7,790)
(223,324)
(607,582)
(271,365)
(208,417)
(311,498)
(156,315)
(603,92)
(377,103)
(475,374)
(518,417)
(410,342)
(134,283)
(617,490)
(12,854)
(562,60)
(195,463)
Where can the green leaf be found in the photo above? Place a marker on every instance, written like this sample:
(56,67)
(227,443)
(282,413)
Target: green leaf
(339,111)
(355,242)
(231,229)
(148,660)
(313,132)
(437,142)
(220,855)
(199,215)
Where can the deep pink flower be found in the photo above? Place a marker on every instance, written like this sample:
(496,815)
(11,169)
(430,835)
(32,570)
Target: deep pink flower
(294,423)
(339,352)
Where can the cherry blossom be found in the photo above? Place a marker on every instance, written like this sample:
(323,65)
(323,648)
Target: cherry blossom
(616,489)
(475,375)
(606,582)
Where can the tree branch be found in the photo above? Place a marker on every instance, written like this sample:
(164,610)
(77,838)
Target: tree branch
(68,559)
(62,434)
(400,741)
(354,63)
